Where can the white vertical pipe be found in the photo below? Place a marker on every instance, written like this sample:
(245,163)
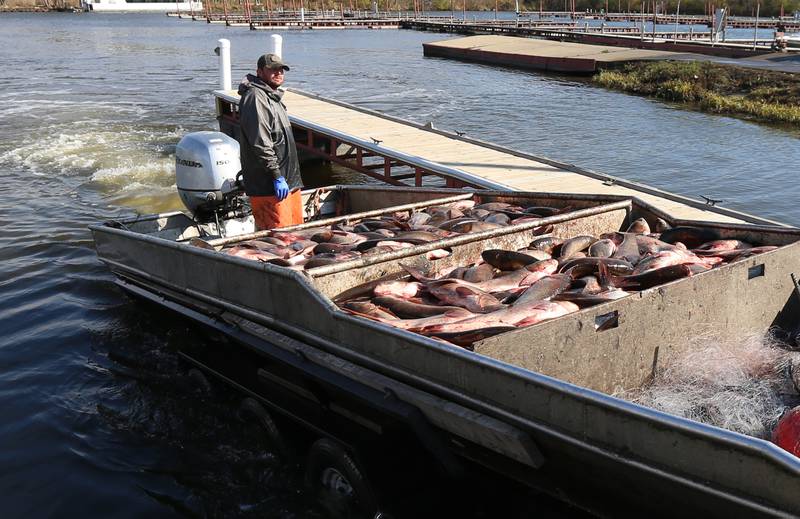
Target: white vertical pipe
(302,14)
(755,30)
(276,42)
(224,64)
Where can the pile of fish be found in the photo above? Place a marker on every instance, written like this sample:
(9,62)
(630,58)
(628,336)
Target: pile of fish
(551,277)
(314,247)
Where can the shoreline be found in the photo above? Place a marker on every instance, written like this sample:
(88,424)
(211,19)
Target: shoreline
(758,95)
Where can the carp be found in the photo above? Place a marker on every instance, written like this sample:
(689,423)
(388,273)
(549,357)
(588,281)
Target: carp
(411,310)
(516,315)
(479,214)
(583,298)
(479,273)
(535,253)
(720,246)
(253,254)
(661,225)
(437,254)
(639,226)
(495,206)
(545,288)
(418,219)
(403,289)
(602,249)
(415,324)
(474,226)
(423,236)
(575,245)
(448,225)
(507,260)
(368,308)
(653,277)
(473,299)
(692,237)
(541,211)
(498,218)
(326,248)
(580,267)
(548,244)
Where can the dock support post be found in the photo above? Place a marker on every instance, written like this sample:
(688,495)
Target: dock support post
(755,29)
(224,52)
(276,42)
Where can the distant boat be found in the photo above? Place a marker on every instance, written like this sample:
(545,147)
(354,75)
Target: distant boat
(792,40)
(142,6)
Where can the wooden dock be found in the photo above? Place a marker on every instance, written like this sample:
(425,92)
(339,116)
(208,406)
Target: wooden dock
(681,42)
(396,151)
(554,56)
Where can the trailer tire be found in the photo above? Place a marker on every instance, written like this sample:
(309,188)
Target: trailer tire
(337,482)
(251,410)
(198,382)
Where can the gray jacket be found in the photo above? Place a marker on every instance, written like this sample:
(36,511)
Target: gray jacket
(266,143)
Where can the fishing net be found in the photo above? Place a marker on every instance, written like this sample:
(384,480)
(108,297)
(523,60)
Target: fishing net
(742,385)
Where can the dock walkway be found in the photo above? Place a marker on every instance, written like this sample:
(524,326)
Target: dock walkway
(555,56)
(465,161)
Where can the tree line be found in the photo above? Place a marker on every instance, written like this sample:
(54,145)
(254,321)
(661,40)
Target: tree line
(765,8)
(735,7)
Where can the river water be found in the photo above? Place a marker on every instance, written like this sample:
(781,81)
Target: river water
(96,421)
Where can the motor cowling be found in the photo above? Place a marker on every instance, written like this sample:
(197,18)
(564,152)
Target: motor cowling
(206,166)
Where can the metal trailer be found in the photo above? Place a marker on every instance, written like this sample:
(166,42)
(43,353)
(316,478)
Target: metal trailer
(532,404)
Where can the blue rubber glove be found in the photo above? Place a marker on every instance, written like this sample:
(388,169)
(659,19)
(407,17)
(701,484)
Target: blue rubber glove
(281,188)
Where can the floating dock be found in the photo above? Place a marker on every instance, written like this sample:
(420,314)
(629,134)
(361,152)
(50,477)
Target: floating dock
(398,152)
(683,42)
(554,56)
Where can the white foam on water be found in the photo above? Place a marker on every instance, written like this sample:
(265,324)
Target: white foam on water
(54,110)
(13,95)
(131,166)
(83,149)
(138,176)
(60,152)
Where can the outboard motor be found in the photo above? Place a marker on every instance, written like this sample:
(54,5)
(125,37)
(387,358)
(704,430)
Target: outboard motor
(206,170)
(206,165)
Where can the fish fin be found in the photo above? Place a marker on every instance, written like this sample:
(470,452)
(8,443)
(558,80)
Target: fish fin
(416,274)
(607,279)
(464,290)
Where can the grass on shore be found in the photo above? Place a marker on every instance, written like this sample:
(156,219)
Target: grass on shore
(755,94)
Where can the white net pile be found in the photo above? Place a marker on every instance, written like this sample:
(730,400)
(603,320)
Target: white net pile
(742,385)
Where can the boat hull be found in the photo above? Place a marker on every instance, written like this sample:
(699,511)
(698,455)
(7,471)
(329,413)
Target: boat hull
(600,452)
(120,6)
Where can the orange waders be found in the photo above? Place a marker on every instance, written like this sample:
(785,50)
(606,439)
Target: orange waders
(270,213)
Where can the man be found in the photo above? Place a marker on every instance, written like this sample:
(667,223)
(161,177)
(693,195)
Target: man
(270,168)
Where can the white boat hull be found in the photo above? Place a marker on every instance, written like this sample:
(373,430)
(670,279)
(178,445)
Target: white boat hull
(142,7)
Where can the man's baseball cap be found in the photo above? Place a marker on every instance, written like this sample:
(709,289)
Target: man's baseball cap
(272,61)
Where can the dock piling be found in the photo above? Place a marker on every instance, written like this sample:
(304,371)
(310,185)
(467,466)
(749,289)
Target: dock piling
(224,53)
